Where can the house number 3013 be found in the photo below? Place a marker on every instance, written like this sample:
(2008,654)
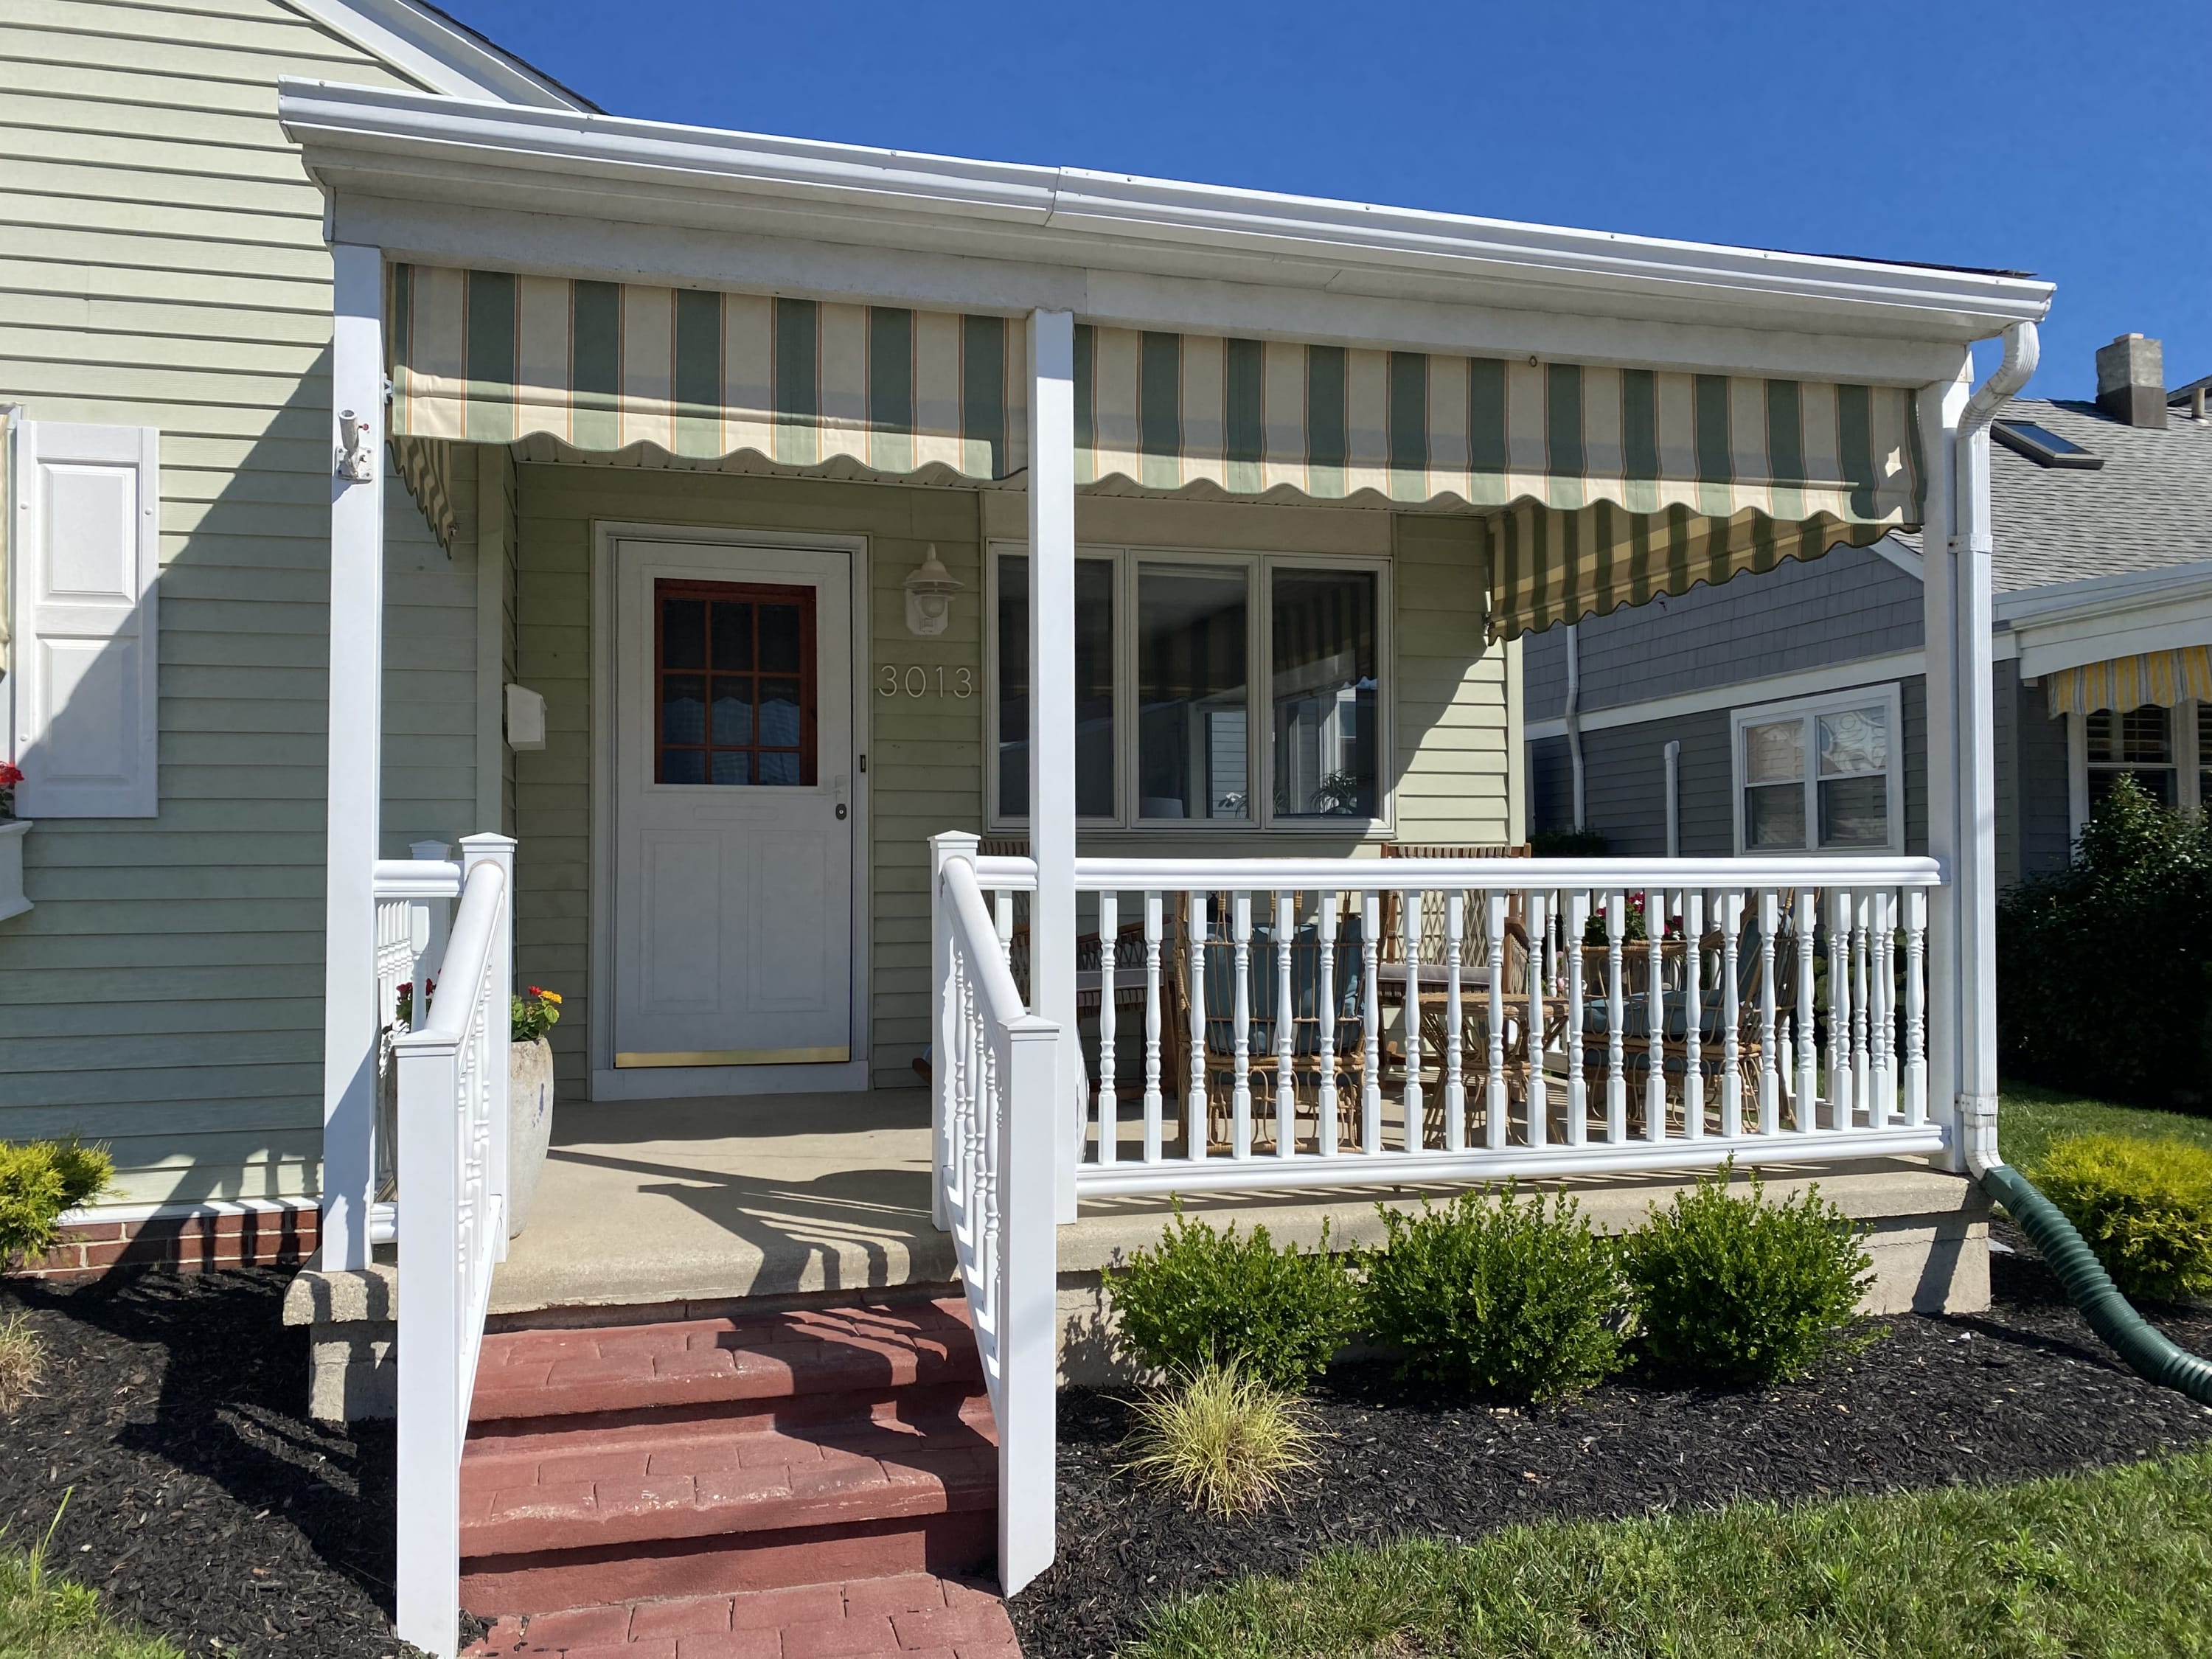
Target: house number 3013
(916,681)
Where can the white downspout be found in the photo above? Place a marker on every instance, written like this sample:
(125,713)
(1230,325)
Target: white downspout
(1575,721)
(1673,752)
(1974,872)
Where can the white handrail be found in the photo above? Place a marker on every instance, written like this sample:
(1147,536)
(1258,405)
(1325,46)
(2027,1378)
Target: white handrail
(453,1082)
(1308,1022)
(993,1079)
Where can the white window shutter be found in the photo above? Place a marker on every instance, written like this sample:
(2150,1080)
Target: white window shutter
(87,549)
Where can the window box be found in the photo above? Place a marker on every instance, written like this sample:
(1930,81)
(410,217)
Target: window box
(12,834)
(1820,775)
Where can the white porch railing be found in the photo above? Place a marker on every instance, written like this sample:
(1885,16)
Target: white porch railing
(453,1160)
(992,1078)
(414,915)
(1307,1021)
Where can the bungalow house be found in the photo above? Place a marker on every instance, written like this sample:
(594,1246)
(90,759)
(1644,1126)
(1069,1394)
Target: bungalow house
(825,607)
(1683,726)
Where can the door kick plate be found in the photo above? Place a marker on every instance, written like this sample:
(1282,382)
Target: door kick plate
(837,1055)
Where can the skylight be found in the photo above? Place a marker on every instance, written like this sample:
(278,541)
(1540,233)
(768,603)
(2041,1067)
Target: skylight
(2043,446)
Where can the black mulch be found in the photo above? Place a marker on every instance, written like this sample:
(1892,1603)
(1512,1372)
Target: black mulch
(203,1502)
(2023,1390)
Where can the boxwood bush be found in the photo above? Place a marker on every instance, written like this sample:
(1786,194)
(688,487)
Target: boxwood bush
(1210,1299)
(1744,1289)
(2144,1207)
(1508,1297)
(40,1181)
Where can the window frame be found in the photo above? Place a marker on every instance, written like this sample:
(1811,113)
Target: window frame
(1807,710)
(2189,762)
(1259,565)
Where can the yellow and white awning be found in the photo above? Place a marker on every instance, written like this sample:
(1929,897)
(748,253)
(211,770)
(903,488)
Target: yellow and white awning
(1604,486)
(2167,678)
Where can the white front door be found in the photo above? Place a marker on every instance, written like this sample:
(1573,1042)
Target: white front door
(732,912)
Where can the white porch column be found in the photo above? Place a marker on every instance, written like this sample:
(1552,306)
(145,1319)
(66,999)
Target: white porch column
(1052,719)
(357,705)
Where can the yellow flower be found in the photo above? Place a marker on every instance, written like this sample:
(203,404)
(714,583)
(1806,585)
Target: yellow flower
(553,997)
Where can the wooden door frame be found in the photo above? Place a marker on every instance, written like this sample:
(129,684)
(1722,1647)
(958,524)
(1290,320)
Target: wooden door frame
(669,1082)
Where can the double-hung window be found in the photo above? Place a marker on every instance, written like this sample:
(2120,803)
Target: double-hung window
(1821,774)
(1210,689)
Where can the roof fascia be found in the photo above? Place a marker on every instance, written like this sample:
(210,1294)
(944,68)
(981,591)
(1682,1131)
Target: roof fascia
(439,52)
(378,140)
(2095,596)
(441,233)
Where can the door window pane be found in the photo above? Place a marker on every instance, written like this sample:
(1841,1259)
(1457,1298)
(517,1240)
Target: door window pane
(1192,693)
(1094,687)
(720,718)
(1325,687)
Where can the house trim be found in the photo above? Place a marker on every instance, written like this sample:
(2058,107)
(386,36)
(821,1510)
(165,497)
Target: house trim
(1805,682)
(444,55)
(664,1083)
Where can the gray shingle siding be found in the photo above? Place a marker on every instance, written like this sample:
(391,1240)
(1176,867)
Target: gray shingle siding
(2044,819)
(1850,604)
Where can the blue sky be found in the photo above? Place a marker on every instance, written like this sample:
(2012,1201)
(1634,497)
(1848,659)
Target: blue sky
(2070,140)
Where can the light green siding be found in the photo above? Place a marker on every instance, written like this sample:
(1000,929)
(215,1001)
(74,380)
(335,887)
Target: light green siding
(926,758)
(162,264)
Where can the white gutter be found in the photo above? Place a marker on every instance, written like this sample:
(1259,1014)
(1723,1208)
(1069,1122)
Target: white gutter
(402,142)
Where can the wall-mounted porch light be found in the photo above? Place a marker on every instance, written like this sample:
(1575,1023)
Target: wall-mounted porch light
(929,590)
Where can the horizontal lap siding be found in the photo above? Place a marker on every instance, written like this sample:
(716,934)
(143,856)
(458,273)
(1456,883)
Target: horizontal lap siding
(162,264)
(1455,751)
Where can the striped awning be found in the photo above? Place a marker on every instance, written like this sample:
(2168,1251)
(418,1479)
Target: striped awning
(2165,678)
(1607,486)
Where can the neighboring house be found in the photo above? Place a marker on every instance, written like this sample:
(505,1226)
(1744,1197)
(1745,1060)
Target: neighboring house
(1696,715)
(717,535)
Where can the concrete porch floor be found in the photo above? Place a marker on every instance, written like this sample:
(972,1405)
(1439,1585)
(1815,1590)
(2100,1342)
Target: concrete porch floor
(693,1206)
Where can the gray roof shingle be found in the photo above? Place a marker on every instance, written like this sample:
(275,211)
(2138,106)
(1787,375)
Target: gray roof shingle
(2148,506)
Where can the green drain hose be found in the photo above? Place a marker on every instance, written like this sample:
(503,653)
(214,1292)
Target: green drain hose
(2130,1335)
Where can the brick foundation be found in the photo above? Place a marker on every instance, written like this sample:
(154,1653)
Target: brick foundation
(182,1243)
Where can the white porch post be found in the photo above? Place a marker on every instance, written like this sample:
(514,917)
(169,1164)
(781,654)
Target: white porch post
(1052,721)
(356,705)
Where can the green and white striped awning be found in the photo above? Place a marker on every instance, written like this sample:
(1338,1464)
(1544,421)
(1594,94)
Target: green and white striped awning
(1603,486)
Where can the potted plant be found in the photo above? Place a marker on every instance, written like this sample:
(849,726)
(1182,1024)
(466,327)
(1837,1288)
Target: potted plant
(530,1100)
(12,831)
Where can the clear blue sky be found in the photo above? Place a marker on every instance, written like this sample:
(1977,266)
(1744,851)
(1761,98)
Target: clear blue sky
(2072,140)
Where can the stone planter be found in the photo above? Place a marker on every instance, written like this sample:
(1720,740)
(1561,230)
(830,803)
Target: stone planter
(530,1126)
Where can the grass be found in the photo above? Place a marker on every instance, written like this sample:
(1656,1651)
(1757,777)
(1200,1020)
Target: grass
(1224,1438)
(22,1363)
(2030,1118)
(2110,1563)
(43,1615)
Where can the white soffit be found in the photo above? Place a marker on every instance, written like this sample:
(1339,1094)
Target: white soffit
(449,58)
(1139,251)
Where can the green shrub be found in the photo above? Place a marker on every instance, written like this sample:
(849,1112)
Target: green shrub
(1744,1289)
(1497,1295)
(1206,1297)
(2141,1029)
(1569,844)
(40,1181)
(1223,1439)
(2144,1207)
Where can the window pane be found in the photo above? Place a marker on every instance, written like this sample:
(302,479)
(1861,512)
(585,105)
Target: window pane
(733,635)
(775,768)
(2140,737)
(683,766)
(1192,687)
(779,639)
(733,710)
(683,708)
(1325,688)
(2157,782)
(1094,687)
(779,714)
(1855,812)
(1774,817)
(684,633)
(1854,743)
(731,766)
(1774,753)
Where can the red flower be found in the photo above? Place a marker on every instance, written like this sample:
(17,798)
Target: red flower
(10,774)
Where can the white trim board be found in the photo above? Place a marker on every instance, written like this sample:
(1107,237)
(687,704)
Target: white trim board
(688,1082)
(1805,682)
(438,52)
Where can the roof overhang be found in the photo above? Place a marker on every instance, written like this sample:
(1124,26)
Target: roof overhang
(447,56)
(2069,624)
(448,180)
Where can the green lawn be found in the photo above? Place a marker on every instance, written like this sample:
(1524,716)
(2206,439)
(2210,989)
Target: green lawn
(2117,1563)
(2029,1119)
(43,1616)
